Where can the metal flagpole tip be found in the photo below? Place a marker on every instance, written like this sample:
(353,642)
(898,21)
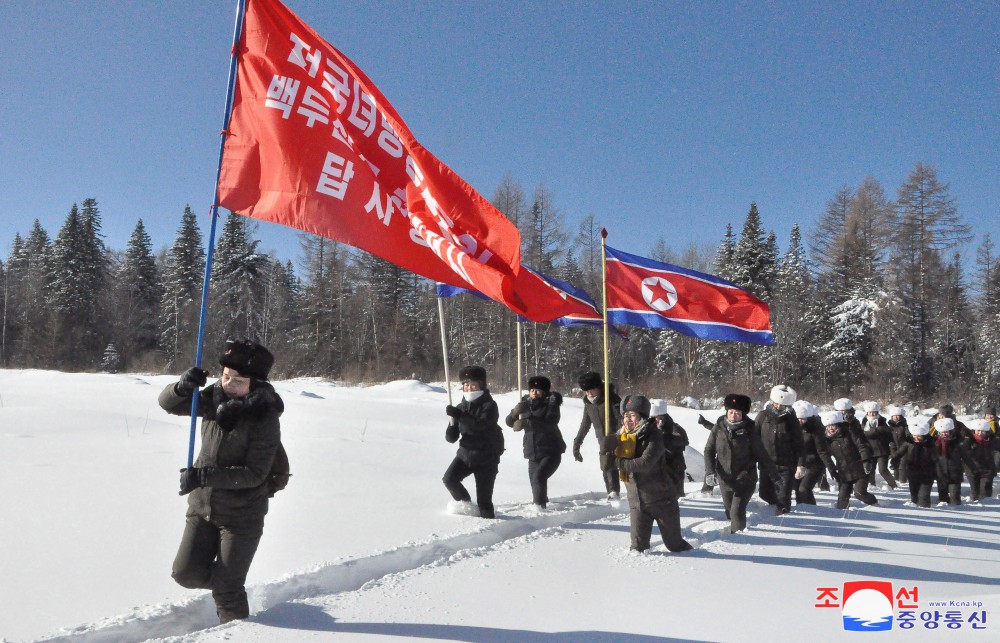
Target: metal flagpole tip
(604,233)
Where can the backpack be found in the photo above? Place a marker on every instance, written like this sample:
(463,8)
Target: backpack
(277,479)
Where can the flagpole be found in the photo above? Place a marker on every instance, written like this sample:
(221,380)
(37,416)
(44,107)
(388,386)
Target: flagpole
(520,369)
(604,308)
(444,351)
(230,91)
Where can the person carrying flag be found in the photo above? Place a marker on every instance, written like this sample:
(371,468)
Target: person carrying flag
(593,418)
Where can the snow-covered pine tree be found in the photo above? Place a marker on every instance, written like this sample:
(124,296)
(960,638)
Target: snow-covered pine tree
(79,277)
(239,279)
(139,294)
(111,360)
(180,305)
(791,321)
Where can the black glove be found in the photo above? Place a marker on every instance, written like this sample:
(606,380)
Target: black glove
(191,479)
(453,411)
(191,379)
(868,467)
(705,423)
(576,453)
(610,443)
(833,474)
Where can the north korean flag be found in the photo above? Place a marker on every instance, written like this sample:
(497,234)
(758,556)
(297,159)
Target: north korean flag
(652,294)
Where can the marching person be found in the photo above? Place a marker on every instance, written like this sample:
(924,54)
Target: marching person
(900,434)
(537,414)
(593,418)
(480,441)
(638,451)
(990,415)
(853,458)
(982,449)
(782,438)
(228,486)
(880,441)
(917,455)
(953,459)
(732,453)
(846,408)
(675,441)
(811,465)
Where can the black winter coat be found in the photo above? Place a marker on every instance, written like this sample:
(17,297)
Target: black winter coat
(539,419)
(850,451)
(649,478)
(981,454)
(879,436)
(952,454)
(781,435)
(236,453)
(814,450)
(732,452)
(593,417)
(479,437)
(920,457)
(900,433)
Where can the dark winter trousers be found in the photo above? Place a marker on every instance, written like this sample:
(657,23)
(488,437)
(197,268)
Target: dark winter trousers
(920,490)
(902,472)
(218,558)
(539,472)
(781,497)
(804,491)
(982,486)
(667,515)
(883,468)
(950,492)
(735,501)
(486,476)
(860,488)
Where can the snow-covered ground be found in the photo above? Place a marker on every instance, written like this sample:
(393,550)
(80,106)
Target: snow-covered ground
(361,545)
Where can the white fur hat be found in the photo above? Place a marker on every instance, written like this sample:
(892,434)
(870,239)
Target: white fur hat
(843,404)
(944,425)
(919,425)
(657,407)
(979,425)
(872,406)
(895,410)
(783,394)
(804,409)
(831,417)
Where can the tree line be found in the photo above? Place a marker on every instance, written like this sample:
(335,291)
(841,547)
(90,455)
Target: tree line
(876,305)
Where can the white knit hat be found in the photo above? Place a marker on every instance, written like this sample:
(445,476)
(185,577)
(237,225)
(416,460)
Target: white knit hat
(804,409)
(783,394)
(919,425)
(895,410)
(657,407)
(872,406)
(843,404)
(944,425)
(831,417)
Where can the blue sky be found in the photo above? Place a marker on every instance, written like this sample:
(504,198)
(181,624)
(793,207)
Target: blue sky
(659,118)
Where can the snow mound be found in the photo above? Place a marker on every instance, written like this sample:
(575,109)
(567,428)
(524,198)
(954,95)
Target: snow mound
(407,386)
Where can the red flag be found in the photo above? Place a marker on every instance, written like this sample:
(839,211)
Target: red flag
(313,144)
(652,294)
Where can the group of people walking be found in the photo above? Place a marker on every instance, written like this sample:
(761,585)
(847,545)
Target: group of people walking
(783,454)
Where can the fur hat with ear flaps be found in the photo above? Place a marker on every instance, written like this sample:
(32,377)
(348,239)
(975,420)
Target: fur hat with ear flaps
(636,404)
(590,381)
(473,374)
(738,402)
(783,394)
(249,358)
(540,382)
